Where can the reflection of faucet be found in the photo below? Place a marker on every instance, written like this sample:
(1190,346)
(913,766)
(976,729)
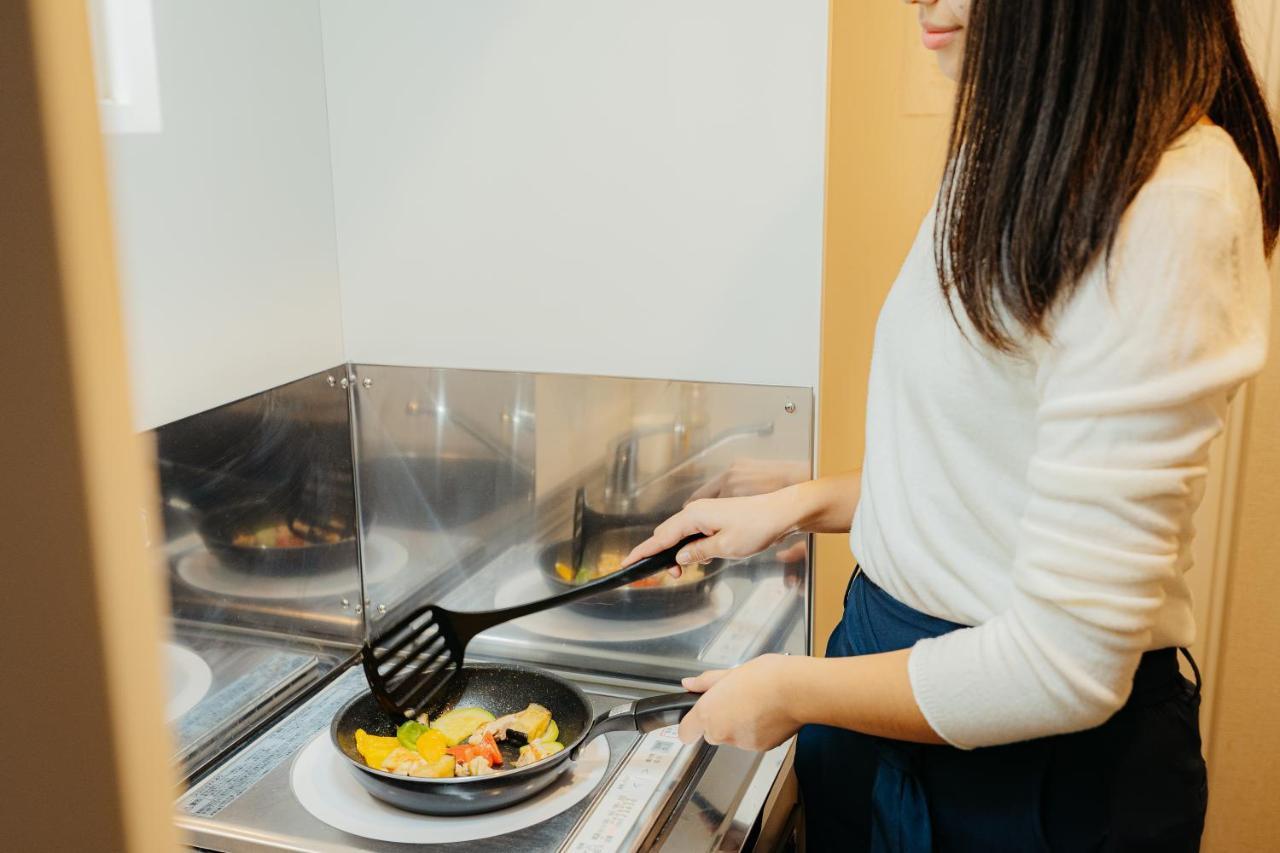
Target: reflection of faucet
(625,456)
(622,488)
(520,420)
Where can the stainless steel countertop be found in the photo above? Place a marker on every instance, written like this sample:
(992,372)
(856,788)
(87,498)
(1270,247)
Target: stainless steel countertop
(252,678)
(708,800)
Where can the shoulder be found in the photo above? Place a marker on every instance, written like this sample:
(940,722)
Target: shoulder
(1201,179)
(1186,272)
(1199,212)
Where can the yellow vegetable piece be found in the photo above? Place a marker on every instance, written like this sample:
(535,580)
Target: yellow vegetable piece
(551,734)
(441,767)
(373,749)
(565,571)
(459,724)
(432,744)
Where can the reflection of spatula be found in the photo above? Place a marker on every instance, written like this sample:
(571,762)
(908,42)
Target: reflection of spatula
(422,650)
(579,528)
(589,524)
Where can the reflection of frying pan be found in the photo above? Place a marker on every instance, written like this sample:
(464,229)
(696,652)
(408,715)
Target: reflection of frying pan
(500,690)
(440,492)
(629,602)
(219,529)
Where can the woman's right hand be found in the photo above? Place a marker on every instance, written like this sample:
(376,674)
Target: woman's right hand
(734,528)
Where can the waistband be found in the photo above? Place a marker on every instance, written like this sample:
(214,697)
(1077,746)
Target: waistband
(875,622)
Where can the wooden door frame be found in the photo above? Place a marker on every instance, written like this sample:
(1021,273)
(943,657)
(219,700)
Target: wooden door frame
(87,609)
(1264,18)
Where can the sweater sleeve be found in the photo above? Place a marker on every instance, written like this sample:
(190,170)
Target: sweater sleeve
(1132,387)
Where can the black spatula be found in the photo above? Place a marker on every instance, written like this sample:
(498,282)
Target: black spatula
(422,650)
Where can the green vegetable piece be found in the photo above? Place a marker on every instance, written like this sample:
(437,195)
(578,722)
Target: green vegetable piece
(551,735)
(457,725)
(409,732)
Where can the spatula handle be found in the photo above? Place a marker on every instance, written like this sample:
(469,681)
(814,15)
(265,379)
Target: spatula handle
(636,571)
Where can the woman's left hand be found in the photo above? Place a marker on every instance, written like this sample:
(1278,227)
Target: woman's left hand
(745,706)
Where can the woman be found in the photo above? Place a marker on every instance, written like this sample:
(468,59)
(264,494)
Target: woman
(1049,369)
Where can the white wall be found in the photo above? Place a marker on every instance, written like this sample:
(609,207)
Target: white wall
(622,189)
(224,219)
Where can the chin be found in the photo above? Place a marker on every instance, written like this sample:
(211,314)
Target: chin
(949,64)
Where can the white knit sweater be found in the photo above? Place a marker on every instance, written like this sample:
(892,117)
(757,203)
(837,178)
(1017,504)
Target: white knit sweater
(1047,498)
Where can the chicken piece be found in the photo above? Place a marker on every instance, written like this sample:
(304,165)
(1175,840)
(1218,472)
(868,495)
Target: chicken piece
(407,762)
(609,562)
(478,766)
(497,728)
(404,762)
(536,752)
(531,722)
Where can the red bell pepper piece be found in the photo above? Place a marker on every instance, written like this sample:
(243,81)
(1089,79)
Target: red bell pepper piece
(487,748)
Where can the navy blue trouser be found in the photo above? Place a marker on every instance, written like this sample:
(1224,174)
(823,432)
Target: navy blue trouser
(1135,783)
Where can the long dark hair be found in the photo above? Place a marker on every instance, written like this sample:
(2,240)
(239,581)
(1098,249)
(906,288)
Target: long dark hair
(1064,110)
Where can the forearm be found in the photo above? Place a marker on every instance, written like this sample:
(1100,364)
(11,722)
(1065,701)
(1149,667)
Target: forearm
(868,693)
(824,505)
(739,527)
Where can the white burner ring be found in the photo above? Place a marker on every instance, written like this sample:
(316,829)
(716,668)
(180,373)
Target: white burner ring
(188,677)
(325,788)
(563,624)
(385,557)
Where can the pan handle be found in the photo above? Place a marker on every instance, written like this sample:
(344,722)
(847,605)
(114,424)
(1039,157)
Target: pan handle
(642,715)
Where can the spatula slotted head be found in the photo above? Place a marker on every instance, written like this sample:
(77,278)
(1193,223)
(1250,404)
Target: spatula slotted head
(419,655)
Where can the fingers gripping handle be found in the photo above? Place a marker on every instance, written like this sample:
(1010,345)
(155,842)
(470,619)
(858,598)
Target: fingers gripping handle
(667,709)
(643,715)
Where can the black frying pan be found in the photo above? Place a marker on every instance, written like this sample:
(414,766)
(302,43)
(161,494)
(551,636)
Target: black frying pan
(500,690)
(219,529)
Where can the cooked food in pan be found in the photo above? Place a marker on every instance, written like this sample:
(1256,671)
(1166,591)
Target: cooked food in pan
(296,534)
(522,700)
(604,560)
(463,742)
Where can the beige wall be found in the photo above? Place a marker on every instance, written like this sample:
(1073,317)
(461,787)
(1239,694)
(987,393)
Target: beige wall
(1244,766)
(1244,762)
(886,140)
